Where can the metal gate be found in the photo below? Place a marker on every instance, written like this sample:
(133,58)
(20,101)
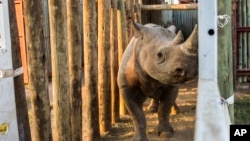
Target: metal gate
(241,39)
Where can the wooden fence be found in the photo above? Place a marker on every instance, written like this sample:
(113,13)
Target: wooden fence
(85,64)
(85,54)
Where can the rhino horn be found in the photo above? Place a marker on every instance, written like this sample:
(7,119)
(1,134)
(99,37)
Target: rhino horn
(138,28)
(178,38)
(190,46)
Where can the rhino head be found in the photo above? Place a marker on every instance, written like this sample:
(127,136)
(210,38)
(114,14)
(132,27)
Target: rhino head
(164,55)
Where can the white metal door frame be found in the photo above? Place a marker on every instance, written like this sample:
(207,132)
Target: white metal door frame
(210,118)
(8,119)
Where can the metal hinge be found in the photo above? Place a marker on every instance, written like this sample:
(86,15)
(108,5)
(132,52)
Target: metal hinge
(4,73)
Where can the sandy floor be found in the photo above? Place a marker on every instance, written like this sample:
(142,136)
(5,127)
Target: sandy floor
(183,122)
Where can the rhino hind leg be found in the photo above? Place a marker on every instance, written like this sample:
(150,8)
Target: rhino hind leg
(175,109)
(133,99)
(166,102)
(153,106)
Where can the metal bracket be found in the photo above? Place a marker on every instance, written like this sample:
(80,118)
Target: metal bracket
(10,72)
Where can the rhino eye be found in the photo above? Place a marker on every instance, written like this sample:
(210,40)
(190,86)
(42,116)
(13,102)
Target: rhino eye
(160,57)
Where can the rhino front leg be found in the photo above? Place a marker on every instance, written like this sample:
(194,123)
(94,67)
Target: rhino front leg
(166,102)
(133,99)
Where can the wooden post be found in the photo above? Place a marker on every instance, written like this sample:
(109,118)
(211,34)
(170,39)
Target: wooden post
(129,13)
(75,66)
(90,95)
(103,65)
(114,63)
(170,7)
(137,10)
(240,38)
(60,72)
(122,42)
(225,55)
(38,63)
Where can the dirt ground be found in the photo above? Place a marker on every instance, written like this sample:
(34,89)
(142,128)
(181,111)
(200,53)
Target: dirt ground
(183,123)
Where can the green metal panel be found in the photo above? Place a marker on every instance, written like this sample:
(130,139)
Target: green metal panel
(185,20)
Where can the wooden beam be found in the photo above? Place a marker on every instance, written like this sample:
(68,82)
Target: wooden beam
(103,65)
(122,41)
(90,110)
(114,63)
(75,66)
(170,7)
(60,71)
(38,90)
(225,55)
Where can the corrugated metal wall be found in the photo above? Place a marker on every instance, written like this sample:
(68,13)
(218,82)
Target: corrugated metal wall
(183,19)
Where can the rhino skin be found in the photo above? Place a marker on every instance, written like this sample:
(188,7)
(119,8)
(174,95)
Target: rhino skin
(154,64)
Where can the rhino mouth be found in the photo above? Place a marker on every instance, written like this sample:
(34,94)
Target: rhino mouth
(173,79)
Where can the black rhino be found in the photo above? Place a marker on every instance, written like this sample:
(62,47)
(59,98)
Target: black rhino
(154,64)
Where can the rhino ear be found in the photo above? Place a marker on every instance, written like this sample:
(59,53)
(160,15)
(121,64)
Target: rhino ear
(138,28)
(172,28)
(178,38)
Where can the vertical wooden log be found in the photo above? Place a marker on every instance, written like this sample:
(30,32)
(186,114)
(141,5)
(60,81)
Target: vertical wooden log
(248,38)
(129,13)
(60,72)
(38,63)
(122,41)
(103,65)
(114,63)
(90,95)
(75,66)
(240,22)
(244,39)
(225,69)
(137,11)
(21,105)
